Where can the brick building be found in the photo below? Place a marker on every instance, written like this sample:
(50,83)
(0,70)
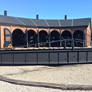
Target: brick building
(22,32)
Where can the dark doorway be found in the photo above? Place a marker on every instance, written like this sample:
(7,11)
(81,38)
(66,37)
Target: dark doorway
(78,38)
(43,38)
(55,39)
(18,38)
(31,37)
(66,38)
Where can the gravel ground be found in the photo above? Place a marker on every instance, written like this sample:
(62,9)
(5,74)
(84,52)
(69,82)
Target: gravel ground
(68,74)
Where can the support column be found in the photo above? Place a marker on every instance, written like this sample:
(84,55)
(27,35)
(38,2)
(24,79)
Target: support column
(60,39)
(72,42)
(85,38)
(49,39)
(27,44)
(38,38)
(87,34)
(11,35)
(2,37)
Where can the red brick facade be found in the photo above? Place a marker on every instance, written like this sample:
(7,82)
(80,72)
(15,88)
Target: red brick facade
(85,30)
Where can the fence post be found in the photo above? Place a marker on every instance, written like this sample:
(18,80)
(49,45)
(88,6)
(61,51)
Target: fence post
(37,57)
(13,58)
(86,56)
(38,38)
(49,57)
(64,44)
(72,44)
(25,58)
(67,57)
(58,57)
(49,38)
(78,56)
(1,58)
(27,39)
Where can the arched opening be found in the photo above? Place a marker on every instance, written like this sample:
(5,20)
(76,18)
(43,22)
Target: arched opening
(31,37)
(78,38)
(43,38)
(54,38)
(18,38)
(66,38)
(7,37)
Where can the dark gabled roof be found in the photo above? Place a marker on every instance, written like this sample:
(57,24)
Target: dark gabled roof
(8,20)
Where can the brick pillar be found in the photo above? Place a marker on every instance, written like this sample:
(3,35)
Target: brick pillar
(87,34)
(85,37)
(2,37)
(49,39)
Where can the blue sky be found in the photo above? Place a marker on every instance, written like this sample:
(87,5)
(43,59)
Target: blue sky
(47,9)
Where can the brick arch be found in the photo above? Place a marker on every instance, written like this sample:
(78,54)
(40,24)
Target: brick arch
(30,30)
(16,28)
(44,30)
(18,38)
(66,37)
(55,30)
(33,29)
(43,37)
(79,31)
(67,30)
(31,37)
(55,36)
(78,37)
(8,30)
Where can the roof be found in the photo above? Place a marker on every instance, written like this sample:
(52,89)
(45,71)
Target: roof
(8,20)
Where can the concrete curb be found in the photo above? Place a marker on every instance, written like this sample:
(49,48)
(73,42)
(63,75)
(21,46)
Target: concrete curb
(46,85)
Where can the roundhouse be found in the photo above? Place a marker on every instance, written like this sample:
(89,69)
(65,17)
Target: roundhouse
(29,32)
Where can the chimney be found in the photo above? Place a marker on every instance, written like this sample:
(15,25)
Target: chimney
(65,17)
(37,16)
(5,13)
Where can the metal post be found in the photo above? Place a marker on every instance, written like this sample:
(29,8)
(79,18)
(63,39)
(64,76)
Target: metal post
(72,43)
(78,56)
(25,58)
(86,56)
(49,39)
(60,42)
(13,58)
(58,57)
(37,57)
(11,37)
(67,57)
(38,37)
(64,44)
(1,59)
(60,39)
(49,56)
(27,39)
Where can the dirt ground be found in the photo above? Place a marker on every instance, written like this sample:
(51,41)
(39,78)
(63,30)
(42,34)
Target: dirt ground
(65,74)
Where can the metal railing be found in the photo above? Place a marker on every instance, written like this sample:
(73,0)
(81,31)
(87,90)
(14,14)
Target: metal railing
(62,43)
